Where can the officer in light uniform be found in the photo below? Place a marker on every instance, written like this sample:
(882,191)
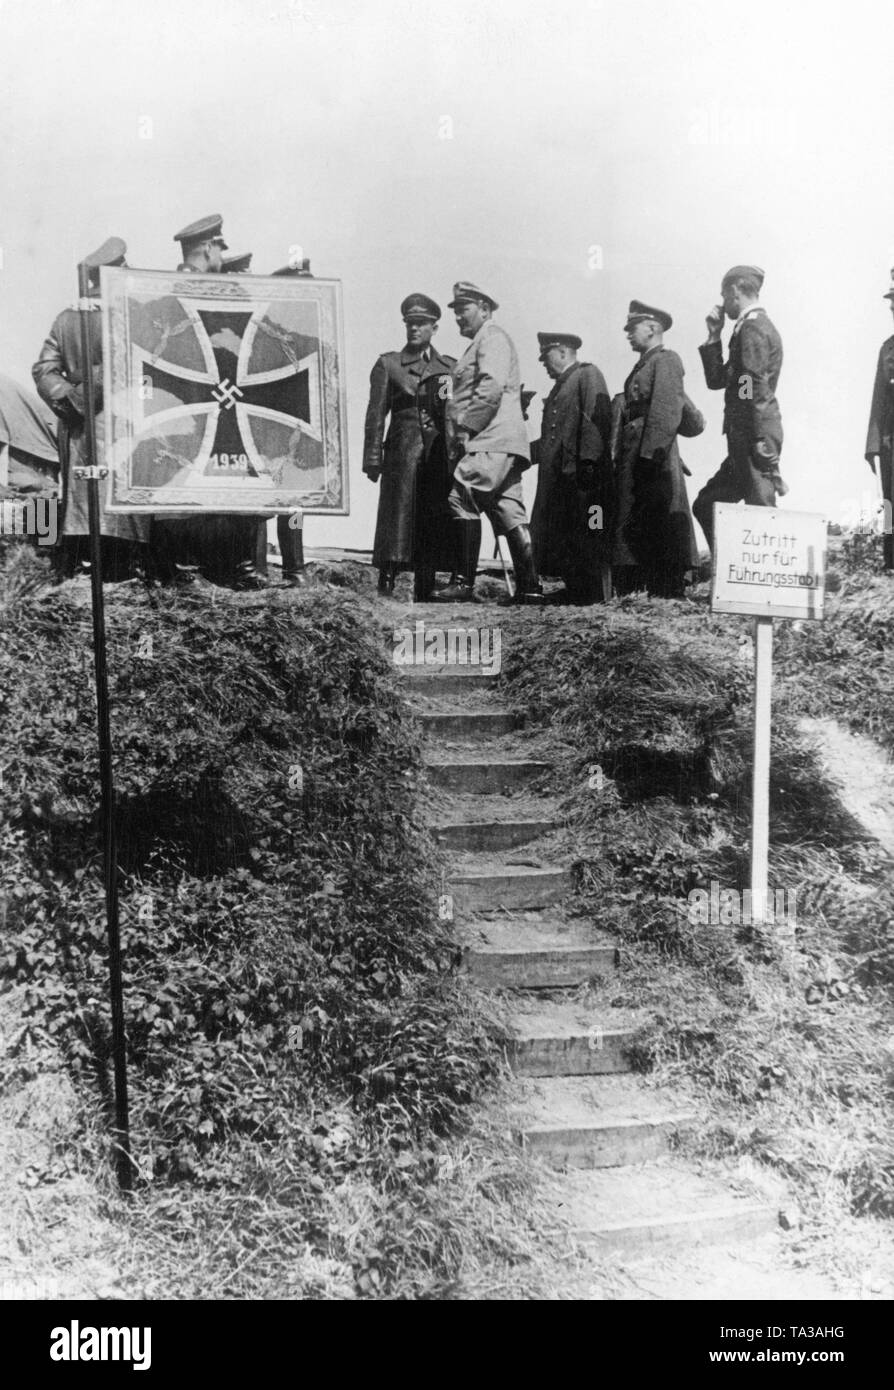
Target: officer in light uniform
(487,439)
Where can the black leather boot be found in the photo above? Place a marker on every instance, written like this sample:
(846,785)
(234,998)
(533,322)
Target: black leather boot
(291,547)
(249,577)
(387,576)
(468,548)
(423,583)
(528,588)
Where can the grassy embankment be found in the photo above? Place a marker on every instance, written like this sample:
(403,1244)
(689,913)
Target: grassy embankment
(784,1033)
(303,1057)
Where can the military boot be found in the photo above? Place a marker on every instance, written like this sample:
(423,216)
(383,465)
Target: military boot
(387,576)
(423,583)
(528,589)
(468,547)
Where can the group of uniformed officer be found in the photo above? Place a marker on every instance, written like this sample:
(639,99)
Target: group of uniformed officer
(611,492)
(447,438)
(181,548)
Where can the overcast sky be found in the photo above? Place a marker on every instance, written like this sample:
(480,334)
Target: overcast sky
(567,157)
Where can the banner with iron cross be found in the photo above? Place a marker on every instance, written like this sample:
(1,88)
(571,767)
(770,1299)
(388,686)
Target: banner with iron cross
(223,393)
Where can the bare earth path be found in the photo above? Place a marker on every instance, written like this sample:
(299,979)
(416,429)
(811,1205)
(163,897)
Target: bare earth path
(860,771)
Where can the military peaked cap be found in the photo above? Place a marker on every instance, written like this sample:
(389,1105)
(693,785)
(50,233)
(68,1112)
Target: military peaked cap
(464,290)
(234,265)
(548,340)
(302,269)
(111,252)
(744,272)
(639,311)
(419,306)
(206,229)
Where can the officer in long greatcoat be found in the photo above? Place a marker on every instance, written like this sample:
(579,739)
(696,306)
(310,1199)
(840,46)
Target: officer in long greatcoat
(59,374)
(654,540)
(408,533)
(880,437)
(571,517)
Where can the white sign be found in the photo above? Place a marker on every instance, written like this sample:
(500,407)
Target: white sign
(768,563)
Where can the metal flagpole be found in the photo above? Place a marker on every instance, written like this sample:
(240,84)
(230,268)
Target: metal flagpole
(92,473)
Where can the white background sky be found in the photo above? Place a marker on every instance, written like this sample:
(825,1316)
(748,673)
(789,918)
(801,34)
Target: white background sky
(678,138)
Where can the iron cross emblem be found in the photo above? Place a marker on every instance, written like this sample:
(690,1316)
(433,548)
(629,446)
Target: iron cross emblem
(230,401)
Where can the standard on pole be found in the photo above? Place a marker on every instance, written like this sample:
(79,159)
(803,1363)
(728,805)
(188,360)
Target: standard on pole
(92,473)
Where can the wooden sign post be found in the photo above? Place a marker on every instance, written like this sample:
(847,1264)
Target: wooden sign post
(767,564)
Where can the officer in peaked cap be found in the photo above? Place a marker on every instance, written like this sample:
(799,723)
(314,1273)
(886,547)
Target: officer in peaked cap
(59,374)
(574,478)
(419,306)
(236,265)
(464,292)
(640,312)
(202,245)
(404,446)
(488,443)
(752,421)
(551,340)
(654,538)
(112,252)
(879,452)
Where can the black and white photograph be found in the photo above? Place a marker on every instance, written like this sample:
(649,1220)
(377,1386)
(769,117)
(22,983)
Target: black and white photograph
(447,667)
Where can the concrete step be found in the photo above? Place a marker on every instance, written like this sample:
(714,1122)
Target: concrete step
(586,1122)
(661,1206)
(506,888)
(445,680)
(491,835)
(531,954)
(557,1038)
(470,725)
(485,775)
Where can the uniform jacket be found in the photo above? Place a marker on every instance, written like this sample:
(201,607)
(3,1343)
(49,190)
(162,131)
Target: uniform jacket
(393,386)
(880,435)
(748,378)
(573,453)
(59,374)
(576,422)
(59,370)
(486,400)
(653,524)
(404,453)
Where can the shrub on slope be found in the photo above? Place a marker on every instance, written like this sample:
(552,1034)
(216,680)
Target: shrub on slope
(289,1018)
